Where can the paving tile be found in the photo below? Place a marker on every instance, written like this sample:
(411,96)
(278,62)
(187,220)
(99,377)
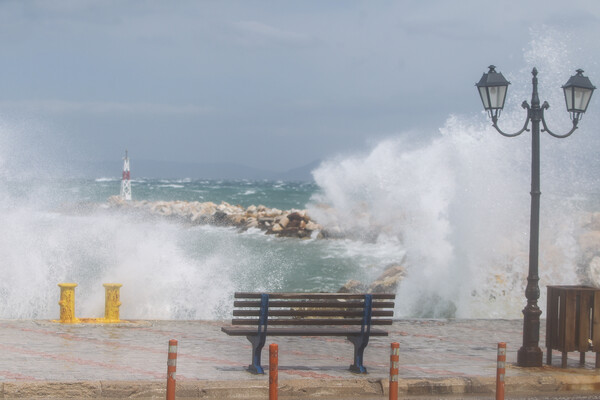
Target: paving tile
(43,350)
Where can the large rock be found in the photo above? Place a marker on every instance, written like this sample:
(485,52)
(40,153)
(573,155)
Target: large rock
(251,223)
(311,226)
(283,221)
(353,286)
(276,228)
(389,280)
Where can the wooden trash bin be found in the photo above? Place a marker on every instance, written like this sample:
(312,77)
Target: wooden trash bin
(573,322)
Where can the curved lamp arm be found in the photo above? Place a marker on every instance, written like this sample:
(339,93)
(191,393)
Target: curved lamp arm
(495,123)
(546,106)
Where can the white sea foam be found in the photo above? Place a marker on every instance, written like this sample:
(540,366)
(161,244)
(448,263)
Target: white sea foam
(159,279)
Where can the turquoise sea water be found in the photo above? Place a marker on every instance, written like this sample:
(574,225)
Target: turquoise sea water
(61,231)
(168,270)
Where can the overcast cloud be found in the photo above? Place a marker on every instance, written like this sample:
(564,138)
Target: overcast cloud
(270,84)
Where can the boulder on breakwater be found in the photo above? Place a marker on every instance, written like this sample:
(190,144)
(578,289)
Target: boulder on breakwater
(283,223)
(387,282)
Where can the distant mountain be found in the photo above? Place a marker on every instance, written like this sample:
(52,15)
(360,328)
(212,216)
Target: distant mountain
(173,169)
(303,173)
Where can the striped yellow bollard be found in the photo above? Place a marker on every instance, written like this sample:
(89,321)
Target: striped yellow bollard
(67,303)
(112,302)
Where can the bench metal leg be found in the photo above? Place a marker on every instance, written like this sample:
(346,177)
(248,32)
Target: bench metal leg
(360,342)
(258,343)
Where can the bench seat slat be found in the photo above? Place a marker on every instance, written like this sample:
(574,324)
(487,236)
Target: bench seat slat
(310,321)
(312,304)
(313,313)
(328,296)
(313,331)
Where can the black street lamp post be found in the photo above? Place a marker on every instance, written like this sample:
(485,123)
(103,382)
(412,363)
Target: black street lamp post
(578,92)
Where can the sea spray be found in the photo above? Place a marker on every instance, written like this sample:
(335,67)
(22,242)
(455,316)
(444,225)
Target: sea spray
(413,194)
(169,270)
(459,204)
(40,250)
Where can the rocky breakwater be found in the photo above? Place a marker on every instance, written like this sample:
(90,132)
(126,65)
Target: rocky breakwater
(283,223)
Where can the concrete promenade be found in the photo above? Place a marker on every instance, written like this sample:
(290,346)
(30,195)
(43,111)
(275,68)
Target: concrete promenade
(49,360)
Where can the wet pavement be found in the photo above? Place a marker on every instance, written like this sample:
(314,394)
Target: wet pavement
(45,351)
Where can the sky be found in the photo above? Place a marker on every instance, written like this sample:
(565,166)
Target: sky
(272,85)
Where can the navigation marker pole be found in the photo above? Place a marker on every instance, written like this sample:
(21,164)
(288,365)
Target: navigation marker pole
(126,182)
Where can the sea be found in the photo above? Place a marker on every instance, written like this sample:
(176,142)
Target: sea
(452,207)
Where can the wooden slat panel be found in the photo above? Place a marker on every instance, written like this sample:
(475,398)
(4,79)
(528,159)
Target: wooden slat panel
(313,313)
(562,309)
(596,321)
(326,296)
(572,287)
(551,315)
(569,321)
(313,304)
(555,319)
(584,320)
(312,321)
(237,331)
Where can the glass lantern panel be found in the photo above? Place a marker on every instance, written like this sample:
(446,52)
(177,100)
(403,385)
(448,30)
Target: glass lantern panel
(484,97)
(497,94)
(569,98)
(581,98)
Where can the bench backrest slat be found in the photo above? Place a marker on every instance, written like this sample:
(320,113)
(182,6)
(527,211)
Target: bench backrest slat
(325,296)
(312,313)
(312,304)
(314,309)
(312,321)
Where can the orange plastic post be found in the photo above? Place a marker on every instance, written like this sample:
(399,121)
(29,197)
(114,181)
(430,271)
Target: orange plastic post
(171,369)
(273,371)
(500,371)
(394,361)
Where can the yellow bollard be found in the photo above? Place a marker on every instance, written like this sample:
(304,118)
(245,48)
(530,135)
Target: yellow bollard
(112,302)
(67,303)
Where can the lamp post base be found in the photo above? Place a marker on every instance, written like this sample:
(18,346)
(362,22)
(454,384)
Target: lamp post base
(530,357)
(530,354)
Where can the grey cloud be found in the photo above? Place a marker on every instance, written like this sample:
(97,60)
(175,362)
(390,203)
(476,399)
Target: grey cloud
(255,33)
(97,108)
(216,80)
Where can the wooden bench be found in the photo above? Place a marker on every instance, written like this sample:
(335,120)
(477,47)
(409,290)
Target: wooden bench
(258,315)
